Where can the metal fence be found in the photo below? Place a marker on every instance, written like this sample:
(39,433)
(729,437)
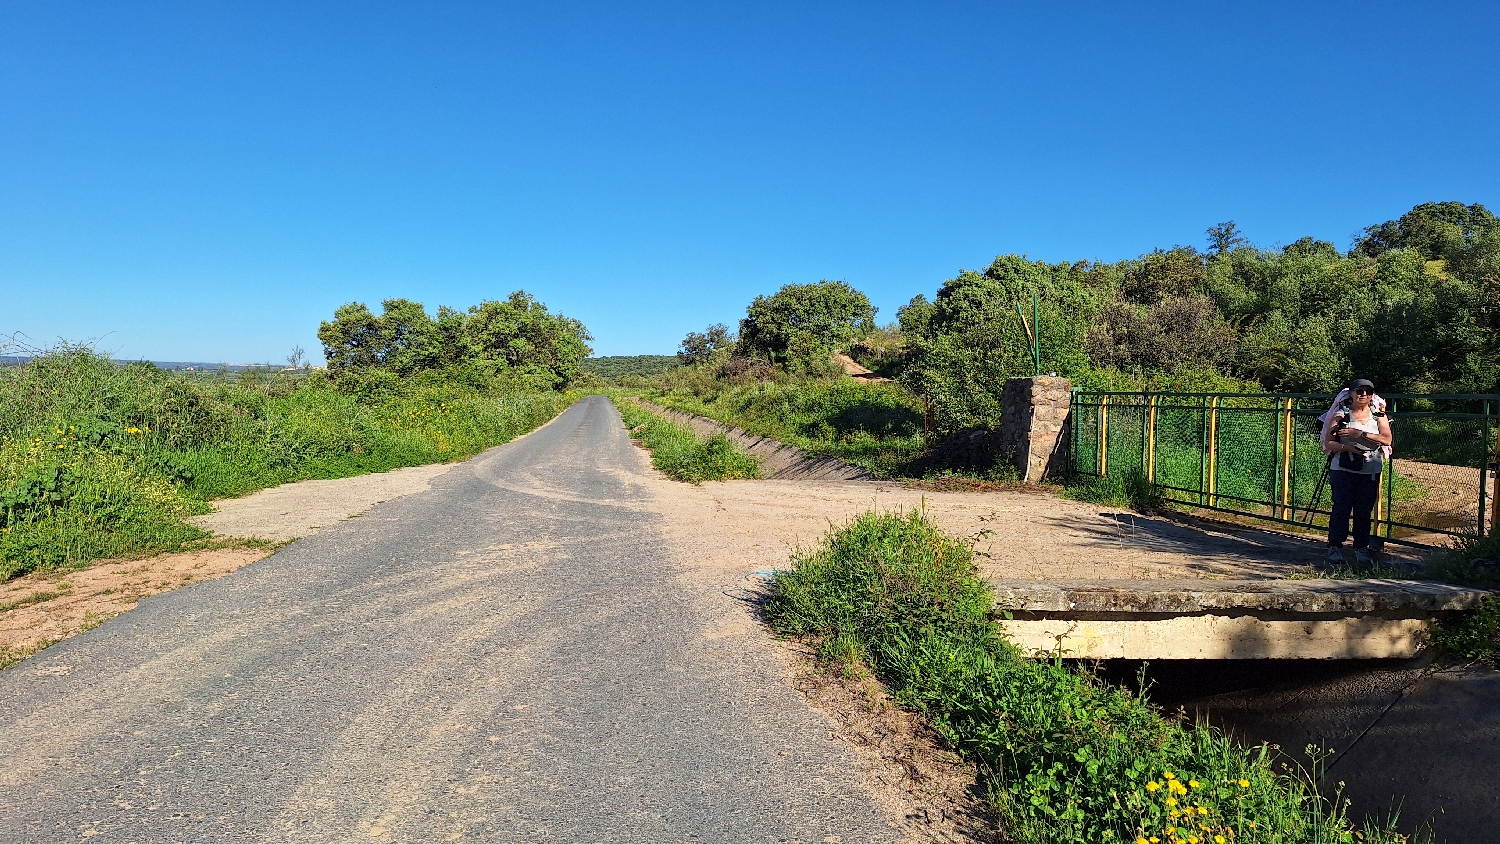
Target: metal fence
(1258,455)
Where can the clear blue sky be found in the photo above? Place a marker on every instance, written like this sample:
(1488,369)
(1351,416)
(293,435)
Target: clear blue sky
(209,180)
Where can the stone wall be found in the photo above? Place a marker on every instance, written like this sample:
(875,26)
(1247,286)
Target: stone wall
(1034,425)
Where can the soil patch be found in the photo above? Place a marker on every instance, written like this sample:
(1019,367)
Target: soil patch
(907,765)
(856,370)
(1451,499)
(41,609)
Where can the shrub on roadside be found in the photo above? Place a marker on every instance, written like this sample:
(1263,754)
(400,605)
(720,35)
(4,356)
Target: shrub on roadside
(1065,756)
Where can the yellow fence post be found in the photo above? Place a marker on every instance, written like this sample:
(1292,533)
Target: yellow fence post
(1385,480)
(1213,451)
(1150,443)
(1285,510)
(1103,461)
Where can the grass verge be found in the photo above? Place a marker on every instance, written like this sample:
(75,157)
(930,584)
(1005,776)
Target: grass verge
(1064,756)
(681,454)
(103,460)
(874,426)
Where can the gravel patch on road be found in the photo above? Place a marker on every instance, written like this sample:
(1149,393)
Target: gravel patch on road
(295,510)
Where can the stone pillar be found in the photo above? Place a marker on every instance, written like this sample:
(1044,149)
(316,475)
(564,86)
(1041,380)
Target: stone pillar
(1034,425)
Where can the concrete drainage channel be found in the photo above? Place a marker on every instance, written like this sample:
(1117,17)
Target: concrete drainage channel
(1333,664)
(778,460)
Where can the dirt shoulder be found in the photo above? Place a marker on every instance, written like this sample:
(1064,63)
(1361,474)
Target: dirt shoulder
(42,609)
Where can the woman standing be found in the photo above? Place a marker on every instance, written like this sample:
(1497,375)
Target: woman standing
(1353,436)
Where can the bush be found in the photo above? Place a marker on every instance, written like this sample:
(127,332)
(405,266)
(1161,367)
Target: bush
(681,454)
(1064,756)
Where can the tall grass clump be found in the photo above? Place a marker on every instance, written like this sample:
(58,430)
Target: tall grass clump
(681,454)
(1064,756)
(101,459)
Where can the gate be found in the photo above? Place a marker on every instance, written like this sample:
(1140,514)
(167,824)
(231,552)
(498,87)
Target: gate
(1257,454)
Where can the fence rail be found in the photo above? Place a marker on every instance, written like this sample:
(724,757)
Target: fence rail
(1257,454)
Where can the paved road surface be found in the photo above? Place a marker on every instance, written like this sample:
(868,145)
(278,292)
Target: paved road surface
(506,657)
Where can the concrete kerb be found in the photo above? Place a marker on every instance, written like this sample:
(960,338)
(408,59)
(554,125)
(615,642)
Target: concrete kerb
(1229,619)
(778,460)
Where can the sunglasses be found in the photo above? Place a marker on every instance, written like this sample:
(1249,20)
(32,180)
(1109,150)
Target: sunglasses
(1364,391)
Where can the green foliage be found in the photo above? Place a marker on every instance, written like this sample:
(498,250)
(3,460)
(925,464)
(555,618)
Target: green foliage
(1130,489)
(99,459)
(702,347)
(883,351)
(517,337)
(624,366)
(1471,559)
(1065,757)
(1473,635)
(974,338)
(682,455)
(799,326)
(874,425)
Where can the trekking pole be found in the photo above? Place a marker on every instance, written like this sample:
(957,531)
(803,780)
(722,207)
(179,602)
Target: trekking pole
(1317,494)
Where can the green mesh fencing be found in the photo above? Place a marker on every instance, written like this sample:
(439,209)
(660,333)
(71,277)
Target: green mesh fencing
(1259,455)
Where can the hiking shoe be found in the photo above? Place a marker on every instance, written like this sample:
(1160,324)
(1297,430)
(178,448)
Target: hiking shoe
(1335,555)
(1362,557)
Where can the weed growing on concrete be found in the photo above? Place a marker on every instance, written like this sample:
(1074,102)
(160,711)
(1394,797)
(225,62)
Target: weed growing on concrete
(1473,635)
(1065,756)
(683,455)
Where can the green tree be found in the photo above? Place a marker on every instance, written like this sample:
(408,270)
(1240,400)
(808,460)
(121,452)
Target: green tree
(974,338)
(403,339)
(702,347)
(517,336)
(1225,237)
(800,325)
(915,316)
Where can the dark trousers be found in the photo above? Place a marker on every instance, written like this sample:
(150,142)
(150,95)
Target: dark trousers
(1352,494)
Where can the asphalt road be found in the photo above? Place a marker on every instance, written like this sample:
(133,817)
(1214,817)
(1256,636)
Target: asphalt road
(506,657)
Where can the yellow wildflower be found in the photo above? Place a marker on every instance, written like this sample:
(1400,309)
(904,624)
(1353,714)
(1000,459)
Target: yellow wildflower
(1153,785)
(1218,839)
(1142,841)
(1244,783)
(1192,839)
(1169,775)
(1192,783)
(1171,801)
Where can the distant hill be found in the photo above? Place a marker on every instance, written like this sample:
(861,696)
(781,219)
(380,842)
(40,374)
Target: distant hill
(177,365)
(618,366)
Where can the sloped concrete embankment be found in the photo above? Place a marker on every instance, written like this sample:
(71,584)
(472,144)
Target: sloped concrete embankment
(778,460)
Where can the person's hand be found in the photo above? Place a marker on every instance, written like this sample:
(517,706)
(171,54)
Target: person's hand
(1345,433)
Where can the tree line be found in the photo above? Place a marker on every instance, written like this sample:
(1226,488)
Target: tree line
(1414,305)
(516,337)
